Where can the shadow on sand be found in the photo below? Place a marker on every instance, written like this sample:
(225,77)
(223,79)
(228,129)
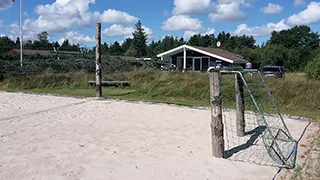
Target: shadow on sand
(255,133)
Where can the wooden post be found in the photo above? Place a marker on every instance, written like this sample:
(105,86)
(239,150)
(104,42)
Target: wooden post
(240,106)
(98,61)
(216,114)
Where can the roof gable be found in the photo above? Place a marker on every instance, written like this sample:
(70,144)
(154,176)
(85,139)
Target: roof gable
(212,52)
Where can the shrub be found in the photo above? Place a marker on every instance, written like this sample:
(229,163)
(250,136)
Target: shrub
(313,67)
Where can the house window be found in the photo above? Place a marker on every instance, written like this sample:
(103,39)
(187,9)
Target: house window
(212,62)
(205,63)
(189,63)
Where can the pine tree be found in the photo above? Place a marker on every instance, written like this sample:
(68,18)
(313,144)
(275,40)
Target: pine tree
(127,48)
(139,40)
(18,42)
(105,48)
(115,49)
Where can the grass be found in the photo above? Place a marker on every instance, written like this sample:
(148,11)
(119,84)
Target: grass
(309,168)
(297,174)
(295,95)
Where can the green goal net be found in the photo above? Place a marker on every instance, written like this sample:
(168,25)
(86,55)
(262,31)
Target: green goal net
(266,140)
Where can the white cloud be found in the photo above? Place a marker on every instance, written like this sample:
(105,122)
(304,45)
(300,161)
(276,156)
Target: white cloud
(182,23)
(112,16)
(62,15)
(117,30)
(311,15)
(13,31)
(188,7)
(5,4)
(76,38)
(210,31)
(263,30)
(272,9)
(188,34)
(228,11)
(148,31)
(245,3)
(299,2)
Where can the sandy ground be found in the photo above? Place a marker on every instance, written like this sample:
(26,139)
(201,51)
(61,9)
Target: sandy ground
(48,137)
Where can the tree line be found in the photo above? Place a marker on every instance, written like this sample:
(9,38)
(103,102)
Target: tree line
(292,48)
(41,43)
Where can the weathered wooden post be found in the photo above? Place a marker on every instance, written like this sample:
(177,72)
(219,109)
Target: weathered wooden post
(98,61)
(216,113)
(240,106)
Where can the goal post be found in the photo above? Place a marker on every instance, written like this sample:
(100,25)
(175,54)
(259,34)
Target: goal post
(246,124)
(240,119)
(216,114)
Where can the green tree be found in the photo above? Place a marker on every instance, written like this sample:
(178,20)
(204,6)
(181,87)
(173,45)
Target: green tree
(43,36)
(43,40)
(18,42)
(168,43)
(36,45)
(206,40)
(194,40)
(154,48)
(313,67)
(127,48)
(296,37)
(6,41)
(115,49)
(223,38)
(28,44)
(274,55)
(56,44)
(105,48)
(130,52)
(254,56)
(139,40)
(180,42)
(300,41)
(66,46)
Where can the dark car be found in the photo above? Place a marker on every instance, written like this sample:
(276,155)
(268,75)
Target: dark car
(273,71)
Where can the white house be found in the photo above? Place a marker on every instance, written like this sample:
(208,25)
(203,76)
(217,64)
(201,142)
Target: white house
(192,58)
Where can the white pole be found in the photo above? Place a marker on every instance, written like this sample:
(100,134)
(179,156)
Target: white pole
(184,60)
(21,35)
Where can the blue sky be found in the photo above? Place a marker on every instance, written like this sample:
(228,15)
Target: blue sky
(75,19)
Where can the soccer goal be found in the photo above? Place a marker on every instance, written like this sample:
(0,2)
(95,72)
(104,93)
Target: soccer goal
(246,124)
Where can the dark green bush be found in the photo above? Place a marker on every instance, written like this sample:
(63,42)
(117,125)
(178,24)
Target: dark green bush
(313,67)
(37,64)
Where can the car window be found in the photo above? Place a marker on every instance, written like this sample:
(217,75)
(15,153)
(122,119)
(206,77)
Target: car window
(270,69)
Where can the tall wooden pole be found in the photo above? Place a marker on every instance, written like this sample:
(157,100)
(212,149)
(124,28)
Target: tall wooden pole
(240,106)
(98,61)
(216,114)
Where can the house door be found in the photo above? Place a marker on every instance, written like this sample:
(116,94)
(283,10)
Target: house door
(196,64)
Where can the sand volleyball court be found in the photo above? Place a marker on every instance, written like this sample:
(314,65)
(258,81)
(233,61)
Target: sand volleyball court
(49,137)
